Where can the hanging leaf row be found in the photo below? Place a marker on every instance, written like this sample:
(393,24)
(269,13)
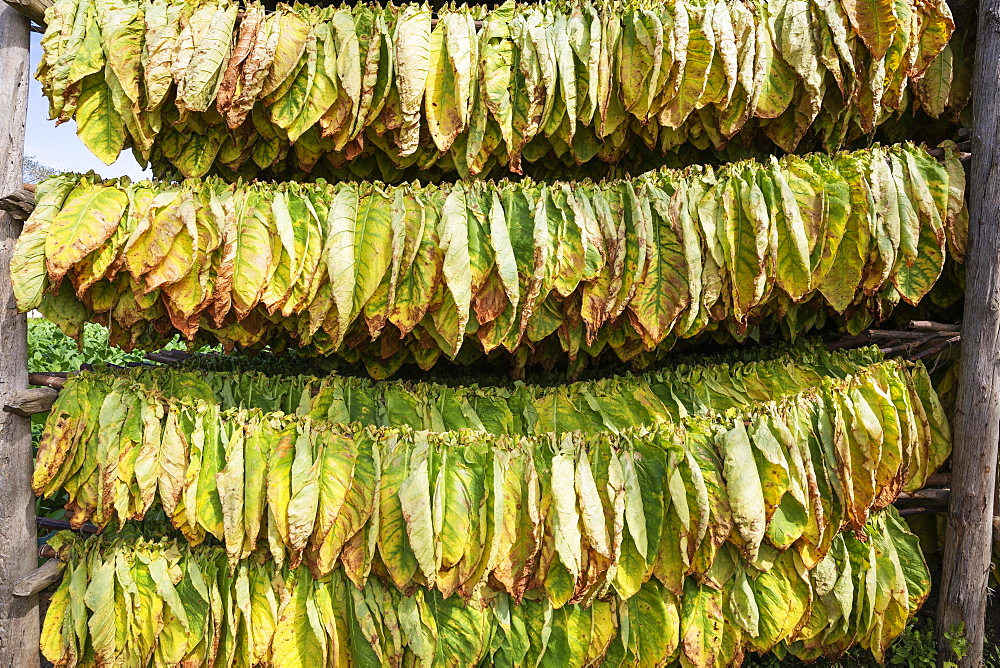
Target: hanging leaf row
(569,513)
(136,599)
(414,272)
(945,88)
(689,515)
(692,385)
(199,88)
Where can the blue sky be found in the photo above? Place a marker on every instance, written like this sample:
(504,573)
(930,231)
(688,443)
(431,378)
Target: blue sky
(59,147)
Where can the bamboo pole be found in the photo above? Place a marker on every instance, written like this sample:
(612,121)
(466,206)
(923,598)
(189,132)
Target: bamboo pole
(19,624)
(966,562)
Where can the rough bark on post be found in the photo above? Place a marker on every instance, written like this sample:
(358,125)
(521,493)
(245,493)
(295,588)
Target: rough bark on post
(976,431)
(19,625)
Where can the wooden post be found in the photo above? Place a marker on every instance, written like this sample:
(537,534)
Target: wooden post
(976,431)
(19,624)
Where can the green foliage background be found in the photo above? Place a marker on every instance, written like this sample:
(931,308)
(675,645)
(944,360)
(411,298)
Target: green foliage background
(51,350)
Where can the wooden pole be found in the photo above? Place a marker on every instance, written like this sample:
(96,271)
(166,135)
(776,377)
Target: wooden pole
(19,624)
(31,401)
(19,203)
(32,9)
(47,574)
(976,431)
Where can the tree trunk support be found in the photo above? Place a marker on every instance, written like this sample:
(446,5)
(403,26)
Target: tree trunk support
(966,563)
(19,624)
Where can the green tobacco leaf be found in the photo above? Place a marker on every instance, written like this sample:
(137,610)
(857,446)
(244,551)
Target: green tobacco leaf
(86,220)
(249,242)
(203,74)
(295,642)
(701,623)
(744,235)
(743,485)
(454,233)
(28,271)
(934,88)
(335,484)
(699,55)
(98,125)
(416,507)
(663,294)
(841,279)
(413,30)
(876,23)
(792,252)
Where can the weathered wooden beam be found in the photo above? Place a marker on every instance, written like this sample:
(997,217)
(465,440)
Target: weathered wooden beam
(859,341)
(168,356)
(939,348)
(123,367)
(31,401)
(937,494)
(19,623)
(909,346)
(19,203)
(32,9)
(60,525)
(976,422)
(923,510)
(177,355)
(935,479)
(902,335)
(930,326)
(47,574)
(961,147)
(57,379)
(913,344)
(54,379)
(964,157)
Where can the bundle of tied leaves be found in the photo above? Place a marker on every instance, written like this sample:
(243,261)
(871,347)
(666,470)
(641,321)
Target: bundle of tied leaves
(197,88)
(568,492)
(136,600)
(397,274)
